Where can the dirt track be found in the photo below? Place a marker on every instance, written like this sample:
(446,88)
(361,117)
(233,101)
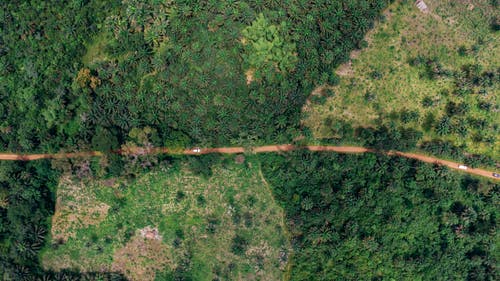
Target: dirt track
(260,149)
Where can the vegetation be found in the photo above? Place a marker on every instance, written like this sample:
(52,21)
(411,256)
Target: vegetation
(134,74)
(436,73)
(26,201)
(380,218)
(189,226)
(84,72)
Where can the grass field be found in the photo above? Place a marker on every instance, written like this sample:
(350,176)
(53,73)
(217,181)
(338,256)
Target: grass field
(171,224)
(437,72)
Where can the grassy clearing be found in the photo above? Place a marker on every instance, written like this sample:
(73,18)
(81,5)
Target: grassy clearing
(381,85)
(96,50)
(226,226)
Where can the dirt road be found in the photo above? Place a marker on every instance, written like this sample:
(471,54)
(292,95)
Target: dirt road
(259,149)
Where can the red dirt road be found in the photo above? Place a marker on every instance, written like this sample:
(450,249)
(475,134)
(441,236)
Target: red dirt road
(260,149)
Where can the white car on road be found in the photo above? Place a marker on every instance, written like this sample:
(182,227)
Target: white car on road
(463,167)
(196,150)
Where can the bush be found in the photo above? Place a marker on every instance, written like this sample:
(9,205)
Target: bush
(377,75)
(427,101)
(239,245)
(428,123)
(443,127)
(462,51)
(369,96)
(408,116)
(456,109)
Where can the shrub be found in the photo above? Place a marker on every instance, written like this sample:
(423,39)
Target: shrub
(369,96)
(239,245)
(408,116)
(318,99)
(456,109)
(482,105)
(179,195)
(495,24)
(428,122)
(462,51)
(443,126)
(427,101)
(377,75)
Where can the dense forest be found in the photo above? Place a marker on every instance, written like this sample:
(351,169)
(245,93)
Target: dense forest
(381,218)
(76,73)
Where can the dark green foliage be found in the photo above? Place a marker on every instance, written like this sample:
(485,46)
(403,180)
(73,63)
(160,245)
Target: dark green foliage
(104,140)
(190,89)
(41,42)
(179,196)
(387,138)
(462,51)
(202,165)
(239,245)
(433,69)
(28,188)
(495,24)
(456,109)
(428,123)
(486,106)
(408,116)
(443,127)
(376,75)
(369,96)
(349,215)
(427,101)
(58,93)
(446,149)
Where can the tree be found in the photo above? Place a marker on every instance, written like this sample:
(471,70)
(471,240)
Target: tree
(267,45)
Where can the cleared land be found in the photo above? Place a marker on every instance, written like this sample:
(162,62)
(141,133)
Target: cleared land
(171,223)
(436,72)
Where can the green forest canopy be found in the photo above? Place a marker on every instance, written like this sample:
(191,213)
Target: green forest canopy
(75,71)
(375,217)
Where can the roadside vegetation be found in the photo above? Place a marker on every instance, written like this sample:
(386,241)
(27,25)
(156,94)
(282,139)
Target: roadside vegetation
(436,73)
(131,75)
(369,217)
(172,224)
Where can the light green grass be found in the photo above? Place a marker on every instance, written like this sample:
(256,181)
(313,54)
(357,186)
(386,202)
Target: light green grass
(405,34)
(96,50)
(197,218)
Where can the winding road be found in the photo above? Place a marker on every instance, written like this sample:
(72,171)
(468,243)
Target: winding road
(259,149)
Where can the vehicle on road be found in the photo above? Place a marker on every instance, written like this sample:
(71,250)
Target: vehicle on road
(196,150)
(463,167)
(496,175)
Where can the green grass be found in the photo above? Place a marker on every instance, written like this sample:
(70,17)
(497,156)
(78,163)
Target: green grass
(383,71)
(96,50)
(198,218)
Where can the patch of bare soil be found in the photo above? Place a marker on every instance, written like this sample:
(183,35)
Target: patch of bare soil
(250,76)
(76,208)
(345,69)
(142,256)
(239,159)
(422,6)
(150,233)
